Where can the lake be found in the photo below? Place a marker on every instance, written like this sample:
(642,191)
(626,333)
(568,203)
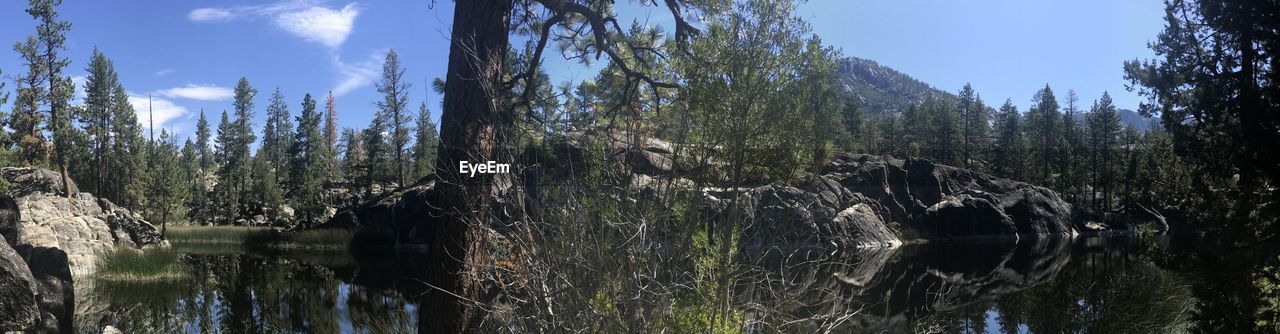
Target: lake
(1093,285)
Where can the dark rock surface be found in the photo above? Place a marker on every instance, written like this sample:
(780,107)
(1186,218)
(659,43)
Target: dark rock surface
(948,202)
(18,307)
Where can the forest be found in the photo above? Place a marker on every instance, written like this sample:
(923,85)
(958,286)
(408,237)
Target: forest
(636,187)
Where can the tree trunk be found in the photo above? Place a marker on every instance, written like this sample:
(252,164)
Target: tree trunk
(469,131)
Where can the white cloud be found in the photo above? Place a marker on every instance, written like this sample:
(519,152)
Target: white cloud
(321,25)
(80,93)
(210,15)
(164,72)
(358,74)
(198,92)
(304,19)
(163,110)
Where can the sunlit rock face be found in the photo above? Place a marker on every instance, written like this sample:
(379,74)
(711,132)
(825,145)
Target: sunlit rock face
(82,226)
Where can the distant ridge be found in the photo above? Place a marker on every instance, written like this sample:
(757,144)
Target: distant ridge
(881,90)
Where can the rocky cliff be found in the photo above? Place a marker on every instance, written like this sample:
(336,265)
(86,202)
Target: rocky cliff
(57,239)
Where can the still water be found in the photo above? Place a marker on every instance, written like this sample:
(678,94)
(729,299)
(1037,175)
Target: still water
(1086,285)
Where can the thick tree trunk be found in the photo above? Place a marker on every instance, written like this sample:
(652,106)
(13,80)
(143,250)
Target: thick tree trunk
(469,131)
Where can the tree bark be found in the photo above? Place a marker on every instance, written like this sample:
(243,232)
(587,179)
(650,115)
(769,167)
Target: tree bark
(469,131)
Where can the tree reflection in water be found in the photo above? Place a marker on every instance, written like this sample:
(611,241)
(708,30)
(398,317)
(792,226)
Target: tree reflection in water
(1087,285)
(241,293)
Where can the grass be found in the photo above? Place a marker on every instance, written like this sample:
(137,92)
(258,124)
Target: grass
(155,264)
(323,239)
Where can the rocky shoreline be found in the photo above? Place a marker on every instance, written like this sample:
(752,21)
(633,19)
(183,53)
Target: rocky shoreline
(855,201)
(51,240)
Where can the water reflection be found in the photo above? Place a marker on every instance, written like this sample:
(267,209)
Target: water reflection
(1086,285)
(257,293)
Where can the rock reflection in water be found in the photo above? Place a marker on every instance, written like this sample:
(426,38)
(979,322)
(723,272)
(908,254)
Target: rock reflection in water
(241,293)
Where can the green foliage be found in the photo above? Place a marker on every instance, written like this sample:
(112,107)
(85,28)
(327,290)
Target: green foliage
(1010,150)
(1212,83)
(169,188)
(748,93)
(277,136)
(426,144)
(394,108)
(309,154)
(151,265)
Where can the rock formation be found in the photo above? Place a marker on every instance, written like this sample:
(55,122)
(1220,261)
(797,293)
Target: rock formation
(59,239)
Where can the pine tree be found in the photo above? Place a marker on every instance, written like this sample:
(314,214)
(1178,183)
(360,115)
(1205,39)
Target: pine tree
(377,162)
(195,195)
(967,108)
(353,155)
(310,152)
(331,135)
(202,209)
(264,191)
(946,134)
(1009,151)
(852,119)
(168,187)
(1104,127)
(50,40)
(237,163)
(1070,165)
(226,197)
(26,119)
(129,176)
(1043,133)
(393,107)
(277,135)
(96,119)
(425,146)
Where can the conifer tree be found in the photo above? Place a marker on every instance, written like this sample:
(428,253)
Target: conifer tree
(1009,151)
(26,119)
(277,135)
(852,119)
(309,154)
(378,155)
(129,176)
(168,186)
(226,196)
(353,155)
(50,41)
(1043,133)
(96,120)
(1104,127)
(331,135)
(202,209)
(1069,165)
(425,146)
(394,108)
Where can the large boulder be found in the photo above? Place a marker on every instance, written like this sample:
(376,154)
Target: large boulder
(966,216)
(18,306)
(948,202)
(83,227)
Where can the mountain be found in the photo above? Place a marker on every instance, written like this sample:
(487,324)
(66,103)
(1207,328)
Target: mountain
(881,90)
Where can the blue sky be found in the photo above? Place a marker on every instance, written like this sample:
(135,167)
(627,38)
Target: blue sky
(187,55)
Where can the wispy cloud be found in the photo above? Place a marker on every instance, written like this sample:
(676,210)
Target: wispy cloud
(198,92)
(210,15)
(163,110)
(164,72)
(305,19)
(357,74)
